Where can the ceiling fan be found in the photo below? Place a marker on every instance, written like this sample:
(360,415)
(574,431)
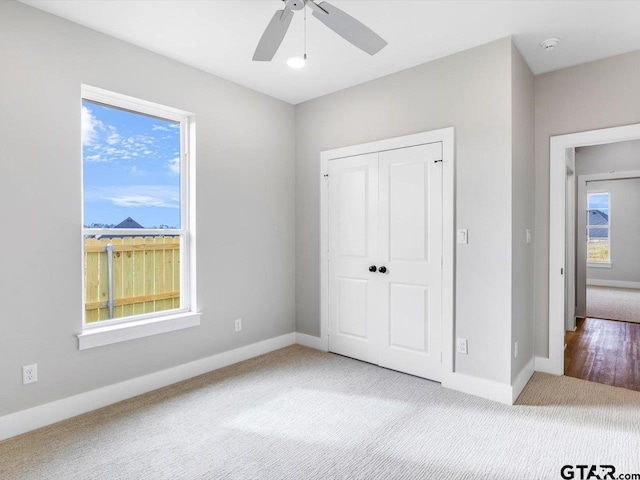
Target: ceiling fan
(340,22)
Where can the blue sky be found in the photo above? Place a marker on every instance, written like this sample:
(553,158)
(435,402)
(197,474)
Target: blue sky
(599,201)
(130,167)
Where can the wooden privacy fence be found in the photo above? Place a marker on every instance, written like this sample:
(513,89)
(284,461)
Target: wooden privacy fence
(145,276)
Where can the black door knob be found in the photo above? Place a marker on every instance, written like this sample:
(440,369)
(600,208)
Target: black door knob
(373,268)
(383,270)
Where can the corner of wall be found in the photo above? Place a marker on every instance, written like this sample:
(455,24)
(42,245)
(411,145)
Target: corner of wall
(522,216)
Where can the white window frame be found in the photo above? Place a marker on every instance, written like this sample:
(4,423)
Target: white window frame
(605,263)
(105,332)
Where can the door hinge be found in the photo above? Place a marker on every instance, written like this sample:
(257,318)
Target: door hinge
(440,357)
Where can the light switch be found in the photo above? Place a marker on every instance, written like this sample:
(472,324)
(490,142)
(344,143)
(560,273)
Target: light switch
(463,236)
(528,235)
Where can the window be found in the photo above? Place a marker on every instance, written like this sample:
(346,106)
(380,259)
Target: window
(598,228)
(137,211)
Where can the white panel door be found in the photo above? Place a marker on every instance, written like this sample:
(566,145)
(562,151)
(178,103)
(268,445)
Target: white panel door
(410,222)
(353,248)
(385,210)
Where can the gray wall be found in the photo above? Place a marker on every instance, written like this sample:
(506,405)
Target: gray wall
(245,194)
(587,97)
(618,157)
(625,198)
(470,91)
(522,214)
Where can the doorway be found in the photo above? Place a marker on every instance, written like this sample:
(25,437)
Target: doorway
(603,347)
(387,253)
(603,343)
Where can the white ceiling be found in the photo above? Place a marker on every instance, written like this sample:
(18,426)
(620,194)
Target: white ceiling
(220,36)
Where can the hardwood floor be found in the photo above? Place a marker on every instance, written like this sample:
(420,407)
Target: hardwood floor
(604,351)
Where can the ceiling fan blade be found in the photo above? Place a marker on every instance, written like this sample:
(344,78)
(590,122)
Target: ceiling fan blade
(273,36)
(348,27)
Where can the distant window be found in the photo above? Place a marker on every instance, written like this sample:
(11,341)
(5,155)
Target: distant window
(135,209)
(598,228)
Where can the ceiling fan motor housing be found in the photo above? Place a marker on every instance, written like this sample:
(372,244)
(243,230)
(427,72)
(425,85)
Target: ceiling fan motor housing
(295,4)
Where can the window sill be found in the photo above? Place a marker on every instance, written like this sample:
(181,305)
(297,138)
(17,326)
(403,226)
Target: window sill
(600,265)
(122,332)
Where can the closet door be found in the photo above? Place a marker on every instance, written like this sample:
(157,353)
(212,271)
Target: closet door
(353,249)
(410,298)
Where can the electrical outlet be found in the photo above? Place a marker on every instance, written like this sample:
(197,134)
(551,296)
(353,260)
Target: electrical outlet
(29,374)
(515,350)
(238,325)
(461,346)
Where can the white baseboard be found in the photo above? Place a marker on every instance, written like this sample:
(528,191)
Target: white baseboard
(596,282)
(43,415)
(545,365)
(480,387)
(311,341)
(489,389)
(522,379)
(49,413)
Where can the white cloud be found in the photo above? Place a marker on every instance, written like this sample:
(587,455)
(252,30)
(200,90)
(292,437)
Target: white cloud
(90,127)
(163,196)
(113,138)
(138,201)
(174,165)
(94,158)
(107,144)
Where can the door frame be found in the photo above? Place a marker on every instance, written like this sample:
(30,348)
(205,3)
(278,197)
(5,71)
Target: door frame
(446,137)
(557,223)
(570,244)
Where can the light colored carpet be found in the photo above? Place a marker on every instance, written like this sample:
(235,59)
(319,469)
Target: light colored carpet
(613,303)
(301,414)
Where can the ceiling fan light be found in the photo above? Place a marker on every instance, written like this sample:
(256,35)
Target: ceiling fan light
(296,62)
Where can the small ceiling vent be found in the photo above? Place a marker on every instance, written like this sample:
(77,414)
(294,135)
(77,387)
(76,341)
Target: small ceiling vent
(549,44)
